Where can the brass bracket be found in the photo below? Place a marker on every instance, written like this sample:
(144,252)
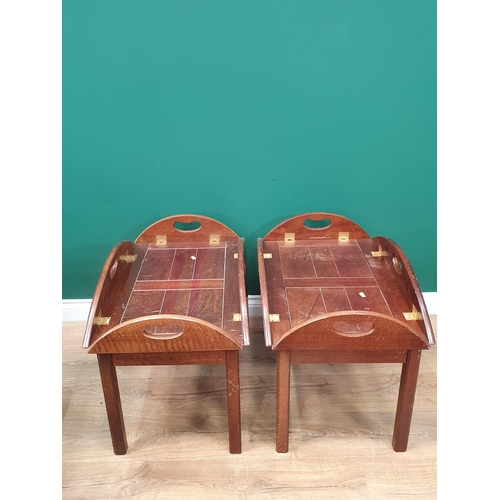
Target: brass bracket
(214,239)
(380,253)
(100,321)
(161,240)
(274,318)
(343,237)
(128,258)
(236,317)
(268,256)
(414,315)
(289,238)
(235,255)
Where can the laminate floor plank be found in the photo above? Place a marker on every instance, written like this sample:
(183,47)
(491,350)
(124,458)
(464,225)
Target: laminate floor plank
(341,423)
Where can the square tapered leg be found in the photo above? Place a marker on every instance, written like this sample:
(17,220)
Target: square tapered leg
(282,400)
(233,400)
(407,388)
(112,400)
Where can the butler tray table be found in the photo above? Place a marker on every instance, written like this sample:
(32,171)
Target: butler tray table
(332,294)
(175,296)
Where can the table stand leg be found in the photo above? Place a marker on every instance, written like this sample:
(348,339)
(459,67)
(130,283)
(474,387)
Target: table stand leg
(233,400)
(111,392)
(407,388)
(282,400)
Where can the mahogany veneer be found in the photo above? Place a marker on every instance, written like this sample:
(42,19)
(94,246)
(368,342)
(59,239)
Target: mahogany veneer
(174,296)
(332,294)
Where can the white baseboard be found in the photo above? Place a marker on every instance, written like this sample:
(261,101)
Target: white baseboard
(78,309)
(254,306)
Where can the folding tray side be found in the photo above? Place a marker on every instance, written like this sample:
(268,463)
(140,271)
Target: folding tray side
(245,327)
(353,331)
(316,226)
(187,228)
(263,292)
(164,333)
(115,274)
(398,266)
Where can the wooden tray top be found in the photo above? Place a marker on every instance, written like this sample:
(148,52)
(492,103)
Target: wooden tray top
(167,282)
(307,273)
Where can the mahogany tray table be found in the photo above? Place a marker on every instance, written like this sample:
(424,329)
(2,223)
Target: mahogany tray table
(331,294)
(175,296)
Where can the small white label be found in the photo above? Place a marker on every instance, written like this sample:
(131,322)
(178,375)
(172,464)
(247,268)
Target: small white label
(362,294)
(193,257)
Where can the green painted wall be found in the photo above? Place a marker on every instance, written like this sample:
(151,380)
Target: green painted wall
(248,112)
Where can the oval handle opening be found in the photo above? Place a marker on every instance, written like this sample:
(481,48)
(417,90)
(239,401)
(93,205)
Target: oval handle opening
(397,265)
(187,226)
(317,224)
(163,332)
(353,329)
(113,268)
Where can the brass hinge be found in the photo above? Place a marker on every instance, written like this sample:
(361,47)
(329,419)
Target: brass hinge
(414,315)
(380,253)
(343,237)
(214,239)
(100,321)
(236,317)
(274,318)
(289,238)
(128,258)
(161,240)
(268,256)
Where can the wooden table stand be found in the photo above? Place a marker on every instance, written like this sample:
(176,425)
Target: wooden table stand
(176,296)
(331,294)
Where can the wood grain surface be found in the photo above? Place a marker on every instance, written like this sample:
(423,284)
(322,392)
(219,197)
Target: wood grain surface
(341,424)
(205,283)
(304,281)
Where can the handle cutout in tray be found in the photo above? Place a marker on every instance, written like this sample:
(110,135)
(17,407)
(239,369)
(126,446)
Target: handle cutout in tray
(163,332)
(187,226)
(397,265)
(353,329)
(317,224)
(112,269)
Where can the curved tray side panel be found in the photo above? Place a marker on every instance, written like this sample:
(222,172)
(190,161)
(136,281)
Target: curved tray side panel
(400,268)
(317,226)
(263,293)
(245,328)
(163,333)
(209,230)
(353,330)
(112,279)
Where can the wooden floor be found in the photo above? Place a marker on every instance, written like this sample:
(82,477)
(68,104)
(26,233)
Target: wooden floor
(341,426)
